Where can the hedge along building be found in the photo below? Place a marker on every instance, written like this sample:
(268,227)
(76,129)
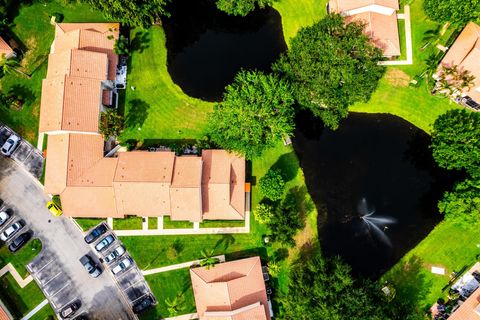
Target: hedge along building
(81,67)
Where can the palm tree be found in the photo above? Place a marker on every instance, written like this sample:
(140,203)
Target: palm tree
(175,305)
(208,259)
(432,64)
(10,66)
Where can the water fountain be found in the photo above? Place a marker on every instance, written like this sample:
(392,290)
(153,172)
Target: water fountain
(372,223)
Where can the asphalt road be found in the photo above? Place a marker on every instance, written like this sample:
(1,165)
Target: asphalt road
(57,268)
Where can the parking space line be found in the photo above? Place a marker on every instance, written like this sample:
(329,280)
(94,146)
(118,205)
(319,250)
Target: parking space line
(44,266)
(66,285)
(44,284)
(66,304)
(146,294)
(132,285)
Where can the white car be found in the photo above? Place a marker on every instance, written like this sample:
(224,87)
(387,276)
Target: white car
(117,252)
(4,216)
(124,264)
(12,230)
(10,145)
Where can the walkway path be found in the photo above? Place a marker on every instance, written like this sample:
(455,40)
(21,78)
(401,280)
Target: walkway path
(189,316)
(408,38)
(21,282)
(188,264)
(36,309)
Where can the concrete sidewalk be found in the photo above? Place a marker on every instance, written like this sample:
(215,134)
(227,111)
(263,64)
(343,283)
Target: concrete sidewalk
(188,264)
(18,278)
(36,309)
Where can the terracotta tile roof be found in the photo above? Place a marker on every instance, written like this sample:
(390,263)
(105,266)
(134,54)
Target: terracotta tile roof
(95,202)
(144,166)
(470,309)
(223,183)
(78,63)
(465,53)
(84,151)
(254,311)
(95,37)
(382,29)
(230,286)
(3,314)
(380,18)
(70,103)
(5,49)
(56,166)
(107,97)
(142,198)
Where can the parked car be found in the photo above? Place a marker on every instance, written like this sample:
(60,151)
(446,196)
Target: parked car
(12,230)
(54,208)
(10,145)
(123,265)
(95,233)
(117,252)
(4,216)
(90,265)
(104,243)
(19,241)
(143,304)
(70,310)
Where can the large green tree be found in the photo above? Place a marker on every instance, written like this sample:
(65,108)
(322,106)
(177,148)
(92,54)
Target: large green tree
(133,12)
(463,203)
(287,220)
(331,65)
(256,112)
(242,7)
(457,12)
(456,140)
(272,185)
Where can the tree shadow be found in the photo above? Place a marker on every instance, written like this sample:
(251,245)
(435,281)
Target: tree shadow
(22,93)
(258,251)
(137,113)
(140,41)
(226,240)
(284,164)
(280,255)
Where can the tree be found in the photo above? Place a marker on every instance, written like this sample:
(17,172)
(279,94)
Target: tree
(331,66)
(263,213)
(256,112)
(121,46)
(286,221)
(463,203)
(9,66)
(457,12)
(176,304)
(111,123)
(272,185)
(455,141)
(451,80)
(241,7)
(208,260)
(133,12)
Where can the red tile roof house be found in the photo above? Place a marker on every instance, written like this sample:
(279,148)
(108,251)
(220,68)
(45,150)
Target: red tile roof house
(465,53)
(232,290)
(379,17)
(191,188)
(6,50)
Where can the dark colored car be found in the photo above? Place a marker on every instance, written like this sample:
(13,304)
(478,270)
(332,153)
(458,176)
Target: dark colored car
(143,305)
(91,267)
(19,241)
(95,233)
(70,310)
(104,243)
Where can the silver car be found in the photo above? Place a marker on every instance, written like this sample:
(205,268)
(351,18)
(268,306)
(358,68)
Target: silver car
(4,216)
(10,145)
(123,265)
(104,243)
(12,230)
(117,252)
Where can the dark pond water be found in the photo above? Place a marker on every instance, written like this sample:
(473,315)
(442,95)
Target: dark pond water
(207,47)
(378,167)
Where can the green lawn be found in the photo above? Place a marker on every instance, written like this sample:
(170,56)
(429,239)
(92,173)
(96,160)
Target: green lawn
(222,223)
(46,313)
(167,285)
(128,223)
(87,223)
(152,223)
(403,41)
(157,108)
(169,224)
(32,30)
(20,259)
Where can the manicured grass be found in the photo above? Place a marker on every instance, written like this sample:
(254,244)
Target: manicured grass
(152,223)
(87,223)
(222,223)
(129,223)
(403,43)
(299,13)
(46,313)
(157,108)
(169,224)
(17,300)
(167,285)
(20,259)
(450,246)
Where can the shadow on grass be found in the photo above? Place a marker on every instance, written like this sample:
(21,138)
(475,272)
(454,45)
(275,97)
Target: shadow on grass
(287,164)
(137,113)
(224,242)
(258,251)
(22,93)
(140,41)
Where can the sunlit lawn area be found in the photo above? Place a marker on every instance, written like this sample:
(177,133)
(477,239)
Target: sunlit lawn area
(222,223)
(128,223)
(22,257)
(87,223)
(168,285)
(169,224)
(152,223)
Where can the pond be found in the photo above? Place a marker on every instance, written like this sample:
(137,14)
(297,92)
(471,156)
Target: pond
(206,47)
(375,185)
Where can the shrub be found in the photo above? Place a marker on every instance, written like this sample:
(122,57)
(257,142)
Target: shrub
(58,17)
(272,185)
(286,221)
(263,213)
(111,123)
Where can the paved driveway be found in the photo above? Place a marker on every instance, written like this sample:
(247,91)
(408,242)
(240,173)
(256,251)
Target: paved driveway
(57,269)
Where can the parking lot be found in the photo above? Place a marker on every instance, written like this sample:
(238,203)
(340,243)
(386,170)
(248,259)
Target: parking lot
(26,155)
(13,219)
(130,281)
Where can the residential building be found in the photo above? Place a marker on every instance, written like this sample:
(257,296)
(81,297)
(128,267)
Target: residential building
(379,17)
(232,290)
(6,50)
(465,53)
(80,78)
(470,308)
